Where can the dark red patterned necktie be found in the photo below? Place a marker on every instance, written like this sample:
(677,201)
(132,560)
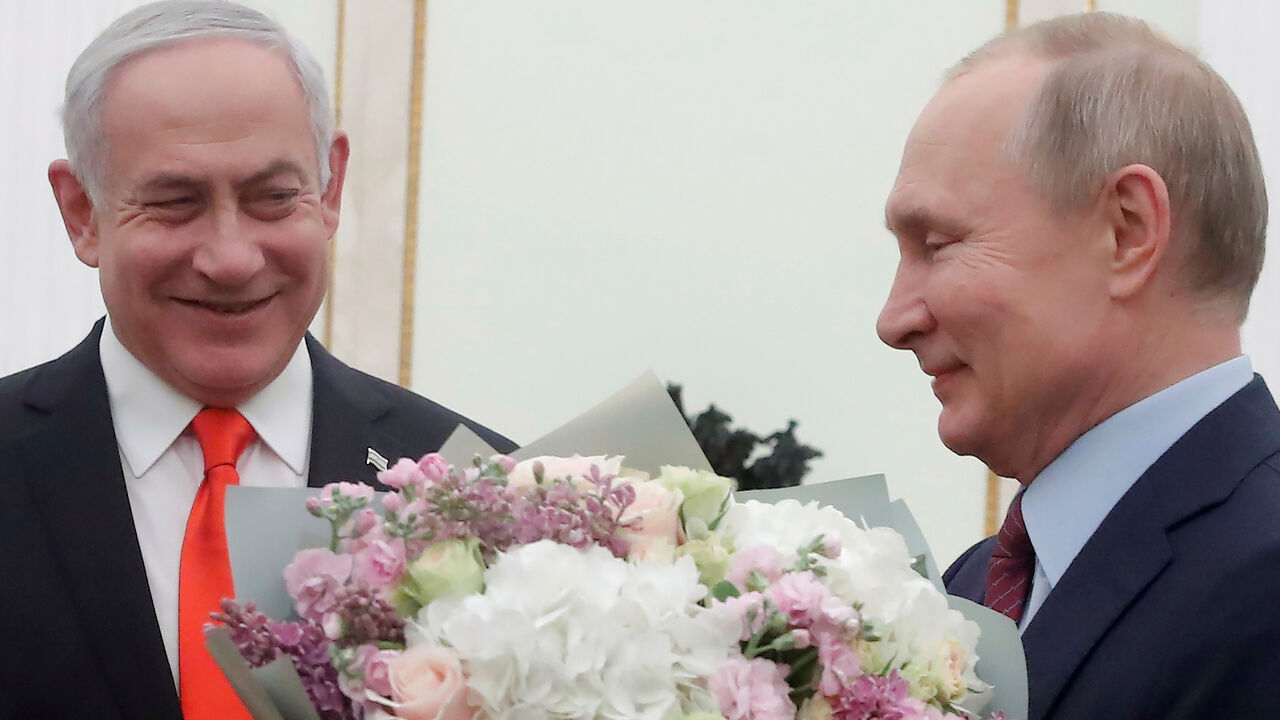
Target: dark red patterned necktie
(1012,565)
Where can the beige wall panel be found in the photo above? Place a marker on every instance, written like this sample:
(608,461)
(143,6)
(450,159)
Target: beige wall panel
(367,287)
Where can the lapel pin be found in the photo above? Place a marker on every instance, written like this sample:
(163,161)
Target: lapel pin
(375,459)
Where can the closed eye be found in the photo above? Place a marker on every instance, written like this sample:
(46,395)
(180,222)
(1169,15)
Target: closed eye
(172,203)
(936,241)
(274,204)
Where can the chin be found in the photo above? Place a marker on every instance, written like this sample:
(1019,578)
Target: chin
(231,380)
(960,436)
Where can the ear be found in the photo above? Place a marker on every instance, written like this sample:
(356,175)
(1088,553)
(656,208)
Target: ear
(77,211)
(331,201)
(1137,202)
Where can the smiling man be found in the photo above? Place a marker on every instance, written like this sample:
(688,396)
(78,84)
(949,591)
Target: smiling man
(204,183)
(1081,218)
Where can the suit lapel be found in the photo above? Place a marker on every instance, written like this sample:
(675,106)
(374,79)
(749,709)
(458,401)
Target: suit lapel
(346,409)
(72,463)
(1131,548)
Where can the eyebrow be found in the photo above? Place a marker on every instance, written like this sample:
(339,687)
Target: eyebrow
(917,218)
(177,181)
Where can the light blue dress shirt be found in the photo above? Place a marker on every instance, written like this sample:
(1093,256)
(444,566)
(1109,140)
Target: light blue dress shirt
(1071,497)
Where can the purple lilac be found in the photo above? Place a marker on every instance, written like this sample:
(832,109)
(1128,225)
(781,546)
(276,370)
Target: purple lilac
(575,517)
(364,617)
(261,640)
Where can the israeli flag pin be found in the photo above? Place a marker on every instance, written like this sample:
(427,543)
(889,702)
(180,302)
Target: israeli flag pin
(375,459)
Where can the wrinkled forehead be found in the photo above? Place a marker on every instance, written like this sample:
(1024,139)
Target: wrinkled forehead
(959,141)
(201,76)
(195,101)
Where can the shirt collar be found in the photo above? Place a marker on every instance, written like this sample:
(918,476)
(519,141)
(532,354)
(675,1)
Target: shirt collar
(1071,497)
(148,414)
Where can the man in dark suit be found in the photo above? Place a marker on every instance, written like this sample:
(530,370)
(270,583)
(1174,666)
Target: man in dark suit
(1081,215)
(204,182)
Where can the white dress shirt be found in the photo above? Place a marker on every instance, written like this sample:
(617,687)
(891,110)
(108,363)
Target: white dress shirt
(1071,497)
(163,465)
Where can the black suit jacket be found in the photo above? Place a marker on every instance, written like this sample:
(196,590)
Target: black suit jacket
(1172,608)
(78,634)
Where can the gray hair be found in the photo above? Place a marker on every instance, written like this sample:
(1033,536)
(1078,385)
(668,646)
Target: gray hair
(164,24)
(1118,93)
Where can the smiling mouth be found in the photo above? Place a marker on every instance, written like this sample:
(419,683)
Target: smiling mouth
(226,308)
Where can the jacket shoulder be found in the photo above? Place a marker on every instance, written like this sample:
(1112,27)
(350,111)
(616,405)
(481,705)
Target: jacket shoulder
(404,413)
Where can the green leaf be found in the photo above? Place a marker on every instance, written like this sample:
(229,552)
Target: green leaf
(724,590)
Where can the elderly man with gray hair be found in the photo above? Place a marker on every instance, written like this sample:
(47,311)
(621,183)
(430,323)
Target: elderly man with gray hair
(1081,216)
(204,183)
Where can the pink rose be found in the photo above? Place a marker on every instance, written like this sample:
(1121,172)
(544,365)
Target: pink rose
(404,473)
(380,564)
(434,466)
(427,683)
(313,577)
(753,689)
(654,518)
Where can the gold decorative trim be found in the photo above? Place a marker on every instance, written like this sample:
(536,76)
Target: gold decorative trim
(1010,14)
(1090,5)
(339,52)
(993,503)
(409,282)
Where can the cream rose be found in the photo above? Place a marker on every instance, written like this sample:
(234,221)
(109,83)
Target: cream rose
(427,683)
(656,513)
(706,495)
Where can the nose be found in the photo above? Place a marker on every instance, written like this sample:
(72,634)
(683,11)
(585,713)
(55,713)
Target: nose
(905,316)
(229,254)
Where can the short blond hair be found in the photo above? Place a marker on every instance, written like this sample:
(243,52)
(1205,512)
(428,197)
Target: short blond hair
(1119,93)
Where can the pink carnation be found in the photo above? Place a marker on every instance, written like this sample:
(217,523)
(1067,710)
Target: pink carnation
(872,696)
(404,473)
(312,579)
(840,664)
(762,558)
(752,690)
(377,675)
(380,564)
(346,489)
(808,603)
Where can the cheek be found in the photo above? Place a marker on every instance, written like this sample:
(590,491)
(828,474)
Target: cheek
(302,255)
(133,266)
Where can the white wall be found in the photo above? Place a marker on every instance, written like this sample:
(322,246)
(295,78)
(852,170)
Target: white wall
(1238,38)
(696,188)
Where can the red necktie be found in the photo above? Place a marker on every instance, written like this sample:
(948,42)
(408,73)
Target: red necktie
(1012,565)
(205,576)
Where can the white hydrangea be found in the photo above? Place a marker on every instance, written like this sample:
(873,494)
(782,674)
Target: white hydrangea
(873,571)
(561,632)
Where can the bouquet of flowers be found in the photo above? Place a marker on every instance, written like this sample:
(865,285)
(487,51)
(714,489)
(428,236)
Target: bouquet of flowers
(576,588)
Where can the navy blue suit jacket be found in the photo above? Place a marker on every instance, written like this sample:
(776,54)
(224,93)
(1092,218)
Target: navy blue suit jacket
(78,634)
(1172,608)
